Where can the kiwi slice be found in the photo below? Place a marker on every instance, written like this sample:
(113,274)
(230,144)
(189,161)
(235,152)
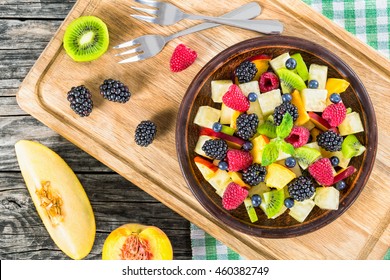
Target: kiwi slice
(86,38)
(305,156)
(273,202)
(268,128)
(290,80)
(301,68)
(351,147)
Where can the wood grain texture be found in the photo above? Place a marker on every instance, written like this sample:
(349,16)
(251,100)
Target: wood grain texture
(362,232)
(115,200)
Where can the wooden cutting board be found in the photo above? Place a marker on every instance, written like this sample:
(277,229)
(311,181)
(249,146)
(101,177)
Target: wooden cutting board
(363,232)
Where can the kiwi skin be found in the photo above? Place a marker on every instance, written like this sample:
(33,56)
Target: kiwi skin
(86,38)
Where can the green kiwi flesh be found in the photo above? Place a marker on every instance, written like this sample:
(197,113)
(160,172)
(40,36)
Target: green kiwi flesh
(351,147)
(290,80)
(306,155)
(273,202)
(268,129)
(86,38)
(301,68)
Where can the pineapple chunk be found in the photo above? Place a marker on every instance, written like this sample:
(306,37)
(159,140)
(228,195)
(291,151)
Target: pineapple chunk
(198,147)
(278,176)
(237,178)
(254,108)
(301,209)
(219,180)
(314,99)
(219,88)
(220,191)
(352,124)
(207,116)
(226,114)
(296,169)
(259,189)
(343,161)
(327,198)
(269,100)
(233,121)
(309,125)
(319,73)
(279,61)
(313,145)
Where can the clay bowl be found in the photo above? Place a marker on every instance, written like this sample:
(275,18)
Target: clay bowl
(198,94)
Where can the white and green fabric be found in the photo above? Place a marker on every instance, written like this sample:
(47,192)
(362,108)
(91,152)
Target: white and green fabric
(368,20)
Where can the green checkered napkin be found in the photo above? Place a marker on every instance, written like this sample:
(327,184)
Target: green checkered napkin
(368,20)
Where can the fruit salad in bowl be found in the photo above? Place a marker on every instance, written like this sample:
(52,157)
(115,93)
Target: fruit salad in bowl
(274,136)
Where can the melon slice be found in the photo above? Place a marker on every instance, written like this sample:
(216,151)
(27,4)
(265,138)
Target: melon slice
(59,198)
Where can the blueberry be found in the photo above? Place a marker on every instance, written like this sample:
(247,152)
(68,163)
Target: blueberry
(313,84)
(340,185)
(217,127)
(223,165)
(290,162)
(289,202)
(252,97)
(247,146)
(291,63)
(335,161)
(256,200)
(335,98)
(286,97)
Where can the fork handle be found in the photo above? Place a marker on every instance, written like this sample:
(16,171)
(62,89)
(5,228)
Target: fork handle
(263,26)
(247,11)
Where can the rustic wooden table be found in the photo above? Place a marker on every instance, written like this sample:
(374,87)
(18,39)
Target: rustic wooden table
(25,29)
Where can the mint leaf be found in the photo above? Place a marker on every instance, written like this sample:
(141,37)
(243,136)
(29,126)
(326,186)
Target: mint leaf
(287,148)
(284,129)
(268,129)
(270,153)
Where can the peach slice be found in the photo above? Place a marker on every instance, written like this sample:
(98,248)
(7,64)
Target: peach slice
(137,242)
(59,198)
(303,117)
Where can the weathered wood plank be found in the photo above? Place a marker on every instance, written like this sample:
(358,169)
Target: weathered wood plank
(13,129)
(52,9)
(115,202)
(9,107)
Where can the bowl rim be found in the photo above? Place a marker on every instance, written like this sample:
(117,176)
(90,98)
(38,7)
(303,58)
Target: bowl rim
(215,63)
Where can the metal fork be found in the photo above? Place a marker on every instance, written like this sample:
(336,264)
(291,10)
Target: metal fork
(167,14)
(150,45)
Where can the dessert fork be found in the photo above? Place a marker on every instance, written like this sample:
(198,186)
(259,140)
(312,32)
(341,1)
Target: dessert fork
(150,45)
(168,14)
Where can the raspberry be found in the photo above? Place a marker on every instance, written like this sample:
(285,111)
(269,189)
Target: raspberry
(235,99)
(182,58)
(322,171)
(335,114)
(238,160)
(233,196)
(298,137)
(268,81)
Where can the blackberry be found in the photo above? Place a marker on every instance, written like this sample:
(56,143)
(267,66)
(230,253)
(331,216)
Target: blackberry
(301,188)
(115,91)
(145,133)
(283,109)
(254,174)
(215,148)
(245,72)
(247,125)
(80,100)
(330,141)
